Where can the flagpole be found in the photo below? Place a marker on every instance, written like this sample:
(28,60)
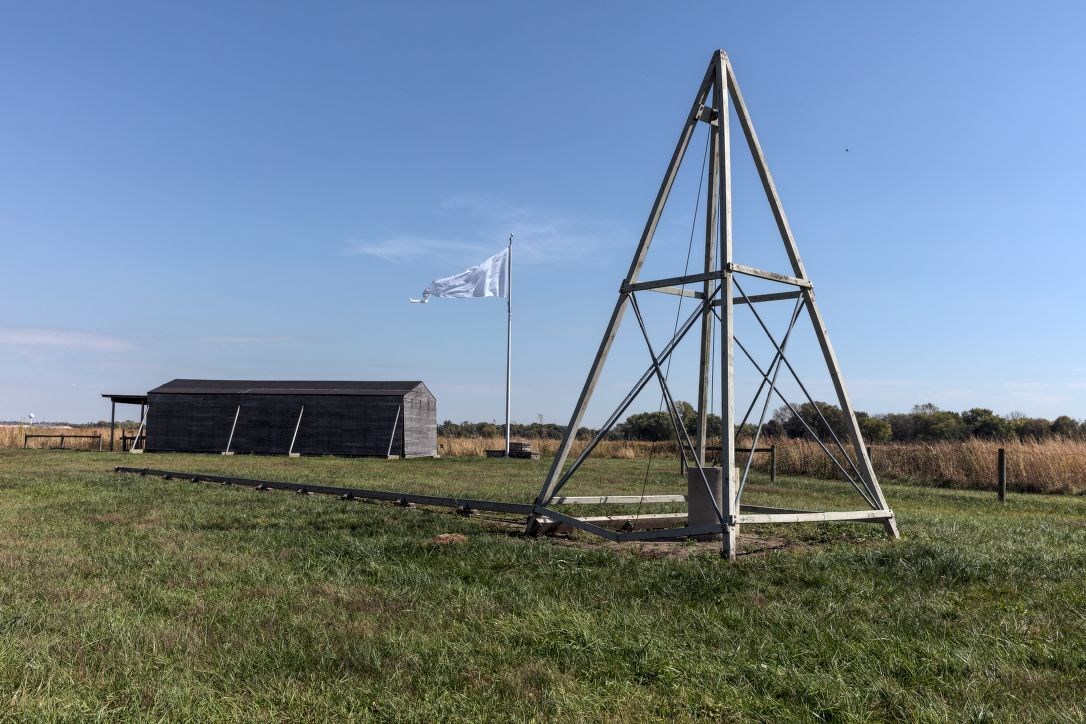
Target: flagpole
(508,339)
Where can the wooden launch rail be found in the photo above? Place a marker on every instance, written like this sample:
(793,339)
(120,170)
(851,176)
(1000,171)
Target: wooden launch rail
(461,504)
(550,521)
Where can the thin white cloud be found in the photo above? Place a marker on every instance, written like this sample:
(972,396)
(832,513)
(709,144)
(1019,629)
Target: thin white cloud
(244,339)
(26,338)
(540,235)
(407,248)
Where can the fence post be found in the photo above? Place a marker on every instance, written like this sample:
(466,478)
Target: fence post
(61,442)
(1001,488)
(773,463)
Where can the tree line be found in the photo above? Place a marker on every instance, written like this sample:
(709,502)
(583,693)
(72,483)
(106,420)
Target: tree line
(925,423)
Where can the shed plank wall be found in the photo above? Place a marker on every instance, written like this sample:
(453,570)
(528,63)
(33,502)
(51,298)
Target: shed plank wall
(420,423)
(331,425)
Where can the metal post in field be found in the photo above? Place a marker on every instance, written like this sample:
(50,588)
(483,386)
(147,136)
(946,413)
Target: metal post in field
(508,341)
(1001,486)
(773,463)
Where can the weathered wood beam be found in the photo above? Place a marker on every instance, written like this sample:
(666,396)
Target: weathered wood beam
(546,514)
(730,504)
(668,533)
(671,281)
(771,276)
(679,291)
(757,298)
(872,516)
(616,499)
(644,521)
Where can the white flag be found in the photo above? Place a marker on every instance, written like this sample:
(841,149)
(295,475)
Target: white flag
(489,279)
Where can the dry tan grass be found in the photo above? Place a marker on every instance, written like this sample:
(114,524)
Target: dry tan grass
(12,437)
(1050,466)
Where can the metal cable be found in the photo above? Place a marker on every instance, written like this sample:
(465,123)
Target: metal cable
(678,313)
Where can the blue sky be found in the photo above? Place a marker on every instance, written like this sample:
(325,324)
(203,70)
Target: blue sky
(253,190)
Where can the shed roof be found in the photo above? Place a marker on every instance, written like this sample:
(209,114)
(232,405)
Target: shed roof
(286,387)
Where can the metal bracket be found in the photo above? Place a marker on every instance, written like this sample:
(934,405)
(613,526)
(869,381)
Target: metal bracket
(708,115)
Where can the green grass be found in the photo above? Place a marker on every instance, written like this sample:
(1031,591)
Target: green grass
(125,597)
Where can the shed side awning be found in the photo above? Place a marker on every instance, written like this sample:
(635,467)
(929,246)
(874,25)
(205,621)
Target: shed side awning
(126,399)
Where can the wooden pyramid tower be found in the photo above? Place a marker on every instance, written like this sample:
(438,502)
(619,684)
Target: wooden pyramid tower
(714,494)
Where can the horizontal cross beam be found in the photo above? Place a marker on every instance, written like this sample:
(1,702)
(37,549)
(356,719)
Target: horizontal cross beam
(669,533)
(771,276)
(671,281)
(616,499)
(679,291)
(644,521)
(756,298)
(872,516)
(659,526)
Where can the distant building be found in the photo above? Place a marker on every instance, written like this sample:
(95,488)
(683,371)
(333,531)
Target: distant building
(375,419)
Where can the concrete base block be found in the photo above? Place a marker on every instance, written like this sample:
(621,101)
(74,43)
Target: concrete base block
(700,509)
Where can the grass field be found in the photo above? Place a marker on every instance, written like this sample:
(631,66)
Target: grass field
(1052,465)
(123,596)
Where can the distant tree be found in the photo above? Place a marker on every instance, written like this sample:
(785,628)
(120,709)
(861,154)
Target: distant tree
(713,425)
(902,426)
(874,429)
(688,415)
(793,425)
(654,426)
(1031,428)
(982,422)
(1066,426)
(932,424)
(659,426)
(925,422)
(746,431)
(587,433)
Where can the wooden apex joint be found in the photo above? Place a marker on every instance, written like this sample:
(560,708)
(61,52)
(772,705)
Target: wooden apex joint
(707,115)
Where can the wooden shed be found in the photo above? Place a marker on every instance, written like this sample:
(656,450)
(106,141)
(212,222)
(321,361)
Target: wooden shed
(381,419)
